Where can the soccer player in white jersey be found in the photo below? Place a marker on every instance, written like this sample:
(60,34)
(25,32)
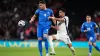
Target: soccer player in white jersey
(62,34)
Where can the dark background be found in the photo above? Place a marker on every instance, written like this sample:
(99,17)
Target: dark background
(11,11)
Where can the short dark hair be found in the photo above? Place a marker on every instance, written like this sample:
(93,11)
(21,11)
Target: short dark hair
(88,15)
(42,2)
(63,10)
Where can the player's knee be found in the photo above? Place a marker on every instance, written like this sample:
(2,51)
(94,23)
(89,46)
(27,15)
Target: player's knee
(54,38)
(45,35)
(69,45)
(49,36)
(39,38)
(90,43)
(94,44)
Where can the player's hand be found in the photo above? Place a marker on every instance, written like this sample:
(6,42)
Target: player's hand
(56,27)
(85,30)
(31,21)
(51,17)
(97,34)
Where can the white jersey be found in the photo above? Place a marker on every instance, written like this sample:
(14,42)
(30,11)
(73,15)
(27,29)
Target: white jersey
(62,34)
(63,26)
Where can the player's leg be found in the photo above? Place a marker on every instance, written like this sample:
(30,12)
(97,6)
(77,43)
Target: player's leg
(45,37)
(94,44)
(90,45)
(67,41)
(90,48)
(96,47)
(50,39)
(40,45)
(71,48)
(39,35)
(46,43)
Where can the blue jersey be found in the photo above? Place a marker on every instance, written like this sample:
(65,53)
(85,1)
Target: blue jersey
(43,16)
(90,27)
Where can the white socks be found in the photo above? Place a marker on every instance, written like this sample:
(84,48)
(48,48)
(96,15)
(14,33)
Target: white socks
(50,39)
(71,48)
(73,51)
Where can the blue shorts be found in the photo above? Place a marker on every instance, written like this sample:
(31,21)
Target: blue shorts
(92,39)
(41,31)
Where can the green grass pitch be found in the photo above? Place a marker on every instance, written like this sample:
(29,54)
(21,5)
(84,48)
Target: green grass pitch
(34,52)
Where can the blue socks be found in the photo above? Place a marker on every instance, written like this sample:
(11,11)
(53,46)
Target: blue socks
(97,48)
(40,46)
(46,44)
(90,48)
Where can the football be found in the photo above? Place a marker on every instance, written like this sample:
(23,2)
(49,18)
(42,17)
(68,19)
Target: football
(21,23)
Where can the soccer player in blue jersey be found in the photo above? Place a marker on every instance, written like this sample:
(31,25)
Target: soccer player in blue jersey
(88,27)
(44,25)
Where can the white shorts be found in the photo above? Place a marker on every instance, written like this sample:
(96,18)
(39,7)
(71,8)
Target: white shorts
(63,37)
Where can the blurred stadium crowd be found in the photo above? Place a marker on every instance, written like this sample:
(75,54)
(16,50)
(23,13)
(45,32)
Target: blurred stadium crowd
(11,11)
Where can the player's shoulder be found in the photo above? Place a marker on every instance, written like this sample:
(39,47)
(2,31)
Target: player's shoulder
(66,17)
(38,10)
(84,23)
(49,9)
(92,22)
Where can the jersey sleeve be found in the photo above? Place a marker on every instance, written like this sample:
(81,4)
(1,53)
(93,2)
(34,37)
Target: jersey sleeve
(52,14)
(66,19)
(95,25)
(82,27)
(97,29)
(37,12)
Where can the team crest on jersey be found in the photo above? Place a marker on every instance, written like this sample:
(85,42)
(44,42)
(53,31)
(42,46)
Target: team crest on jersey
(91,25)
(48,13)
(88,29)
(47,30)
(45,15)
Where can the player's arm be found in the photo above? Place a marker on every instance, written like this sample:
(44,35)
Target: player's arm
(34,16)
(57,19)
(54,27)
(54,21)
(52,15)
(83,28)
(97,28)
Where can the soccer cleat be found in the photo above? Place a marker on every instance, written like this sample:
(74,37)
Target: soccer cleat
(73,52)
(47,54)
(89,54)
(52,53)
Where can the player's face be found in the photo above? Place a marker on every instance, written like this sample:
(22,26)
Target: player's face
(88,18)
(61,13)
(41,6)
